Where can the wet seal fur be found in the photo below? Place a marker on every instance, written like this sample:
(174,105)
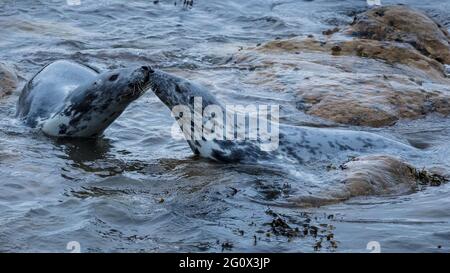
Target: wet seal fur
(298,144)
(68,99)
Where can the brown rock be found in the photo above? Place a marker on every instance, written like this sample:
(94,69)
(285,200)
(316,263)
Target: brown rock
(370,176)
(378,175)
(331,31)
(384,175)
(362,82)
(403,24)
(395,69)
(393,53)
(8,81)
(370,100)
(336,50)
(293,45)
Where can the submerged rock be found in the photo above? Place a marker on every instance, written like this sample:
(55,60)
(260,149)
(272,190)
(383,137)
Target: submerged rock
(384,175)
(400,23)
(373,175)
(8,81)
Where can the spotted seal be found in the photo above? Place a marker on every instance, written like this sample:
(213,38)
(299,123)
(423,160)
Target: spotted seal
(68,99)
(297,143)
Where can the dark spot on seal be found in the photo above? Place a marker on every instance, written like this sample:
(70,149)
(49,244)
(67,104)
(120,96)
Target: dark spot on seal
(196,151)
(114,77)
(62,129)
(105,106)
(224,144)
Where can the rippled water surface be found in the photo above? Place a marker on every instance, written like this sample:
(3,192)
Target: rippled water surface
(137,189)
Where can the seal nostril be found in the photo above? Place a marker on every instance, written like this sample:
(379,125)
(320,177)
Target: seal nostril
(147,69)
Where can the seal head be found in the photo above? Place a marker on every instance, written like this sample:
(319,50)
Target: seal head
(93,106)
(174,91)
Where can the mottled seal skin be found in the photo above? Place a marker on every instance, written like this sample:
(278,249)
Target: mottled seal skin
(67,99)
(298,144)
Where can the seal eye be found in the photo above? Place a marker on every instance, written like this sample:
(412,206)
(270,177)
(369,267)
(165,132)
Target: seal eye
(114,77)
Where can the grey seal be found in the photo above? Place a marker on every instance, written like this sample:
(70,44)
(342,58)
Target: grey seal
(299,144)
(68,99)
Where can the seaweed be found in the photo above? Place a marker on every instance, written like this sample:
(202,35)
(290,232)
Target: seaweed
(426,178)
(282,226)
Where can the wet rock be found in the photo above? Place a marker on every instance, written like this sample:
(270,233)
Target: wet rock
(391,52)
(383,175)
(331,31)
(8,81)
(370,100)
(336,50)
(293,45)
(362,82)
(378,175)
(400,23)
(394,67)
(373,175)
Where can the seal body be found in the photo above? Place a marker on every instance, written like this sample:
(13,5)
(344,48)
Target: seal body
(67,99)
(296,143)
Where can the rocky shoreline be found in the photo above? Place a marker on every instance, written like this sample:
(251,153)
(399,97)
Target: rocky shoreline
(388,65)
(374,73)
